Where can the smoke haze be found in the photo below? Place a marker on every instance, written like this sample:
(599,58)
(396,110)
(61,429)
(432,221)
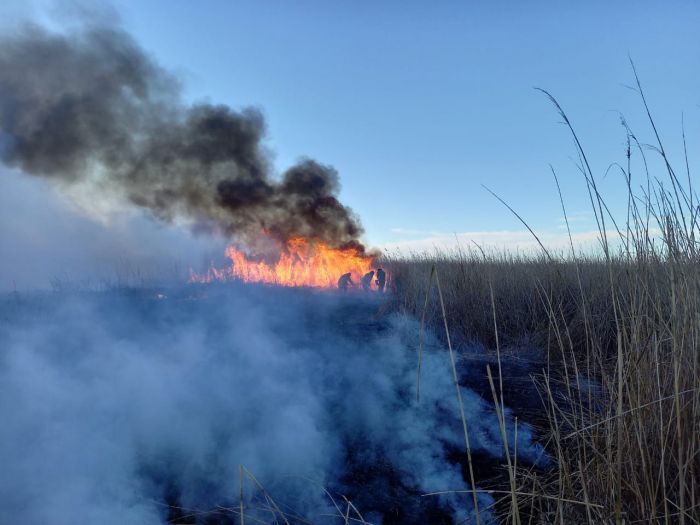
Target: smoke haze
(46,241)
(113,404)
(118,406)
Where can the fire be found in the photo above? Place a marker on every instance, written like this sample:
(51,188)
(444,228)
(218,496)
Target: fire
(302,262)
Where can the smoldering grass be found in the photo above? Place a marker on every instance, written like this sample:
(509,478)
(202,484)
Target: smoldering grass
(620,389)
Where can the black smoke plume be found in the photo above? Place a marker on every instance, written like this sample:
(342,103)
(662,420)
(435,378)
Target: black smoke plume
(92,108)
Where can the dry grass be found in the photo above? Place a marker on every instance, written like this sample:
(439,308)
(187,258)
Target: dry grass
(626,320)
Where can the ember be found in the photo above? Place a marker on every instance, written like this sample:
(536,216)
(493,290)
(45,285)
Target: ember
(302,262)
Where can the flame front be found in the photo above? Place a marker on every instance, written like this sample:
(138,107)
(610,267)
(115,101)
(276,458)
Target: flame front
(301,263)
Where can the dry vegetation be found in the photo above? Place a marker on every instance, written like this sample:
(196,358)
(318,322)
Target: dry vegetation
(626,320)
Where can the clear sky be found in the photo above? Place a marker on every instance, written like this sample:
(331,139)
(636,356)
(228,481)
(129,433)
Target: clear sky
(418,103)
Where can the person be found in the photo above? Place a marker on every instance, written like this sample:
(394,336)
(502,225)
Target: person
(381,280)
(345,281)
(367,280)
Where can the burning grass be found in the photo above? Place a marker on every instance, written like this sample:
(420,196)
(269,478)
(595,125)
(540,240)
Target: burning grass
(299,262)
(621,383)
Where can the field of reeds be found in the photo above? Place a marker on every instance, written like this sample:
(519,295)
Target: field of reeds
(620,328)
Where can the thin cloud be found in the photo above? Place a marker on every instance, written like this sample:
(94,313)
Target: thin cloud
(508,240)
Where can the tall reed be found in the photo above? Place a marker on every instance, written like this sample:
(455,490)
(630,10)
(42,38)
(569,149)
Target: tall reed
(620,328)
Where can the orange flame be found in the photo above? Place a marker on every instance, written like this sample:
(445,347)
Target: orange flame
(302,263)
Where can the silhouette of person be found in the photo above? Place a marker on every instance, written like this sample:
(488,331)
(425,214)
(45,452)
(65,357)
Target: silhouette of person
(367,280)
(381,280)
(345,281)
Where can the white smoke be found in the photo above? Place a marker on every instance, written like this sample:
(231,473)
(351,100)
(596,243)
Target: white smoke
(50,242)
(113,404)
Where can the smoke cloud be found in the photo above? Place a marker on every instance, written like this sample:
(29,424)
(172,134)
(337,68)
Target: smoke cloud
(114,404)
(89,109)
(51,245)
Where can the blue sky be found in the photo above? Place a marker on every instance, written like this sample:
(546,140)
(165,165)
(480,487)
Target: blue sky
(417,104)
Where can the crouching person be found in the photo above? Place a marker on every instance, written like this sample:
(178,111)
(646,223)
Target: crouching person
(345,281)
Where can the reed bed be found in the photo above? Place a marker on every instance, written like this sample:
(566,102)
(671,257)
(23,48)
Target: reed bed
(620,328)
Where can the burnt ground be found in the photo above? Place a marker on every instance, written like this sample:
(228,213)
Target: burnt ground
(376,487)
(379,489)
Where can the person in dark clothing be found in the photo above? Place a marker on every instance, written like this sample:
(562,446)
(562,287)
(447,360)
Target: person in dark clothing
(345,281)
(381,280)
(367,280)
